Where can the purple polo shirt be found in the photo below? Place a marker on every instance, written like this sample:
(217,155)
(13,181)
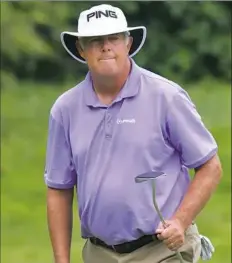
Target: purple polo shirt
(151,125)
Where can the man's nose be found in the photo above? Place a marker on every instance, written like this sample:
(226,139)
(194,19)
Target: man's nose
(106,45)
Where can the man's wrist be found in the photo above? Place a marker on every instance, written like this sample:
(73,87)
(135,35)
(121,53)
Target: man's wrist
(62,260)
(183,221)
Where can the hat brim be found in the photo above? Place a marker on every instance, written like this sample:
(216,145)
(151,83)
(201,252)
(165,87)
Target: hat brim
(68,40)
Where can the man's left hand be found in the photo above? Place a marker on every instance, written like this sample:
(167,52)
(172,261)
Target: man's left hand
(173,235)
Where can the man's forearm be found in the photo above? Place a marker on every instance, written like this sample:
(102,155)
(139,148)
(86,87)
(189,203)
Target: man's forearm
(59,215)
(200,190)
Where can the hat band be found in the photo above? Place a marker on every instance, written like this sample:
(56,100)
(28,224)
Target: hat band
(102,31)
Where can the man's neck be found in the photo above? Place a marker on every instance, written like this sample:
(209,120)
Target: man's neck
(108,88)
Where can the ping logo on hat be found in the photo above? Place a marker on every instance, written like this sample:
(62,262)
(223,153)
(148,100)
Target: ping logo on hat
(99,14)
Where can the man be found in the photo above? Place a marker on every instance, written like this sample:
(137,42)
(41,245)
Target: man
(119,122)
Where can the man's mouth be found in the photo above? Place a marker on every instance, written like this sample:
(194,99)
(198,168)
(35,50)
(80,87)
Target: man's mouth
(105,59)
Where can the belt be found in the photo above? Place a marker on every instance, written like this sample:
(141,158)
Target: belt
(126,247)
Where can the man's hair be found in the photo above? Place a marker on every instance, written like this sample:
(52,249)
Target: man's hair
(127,34)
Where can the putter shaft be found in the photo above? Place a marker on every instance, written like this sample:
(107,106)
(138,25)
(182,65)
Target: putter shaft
(162,219)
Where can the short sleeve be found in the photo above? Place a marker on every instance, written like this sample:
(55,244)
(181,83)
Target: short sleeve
(187,133)
(59,169)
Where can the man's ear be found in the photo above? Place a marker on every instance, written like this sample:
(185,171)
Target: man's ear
(79,48)
(130,41)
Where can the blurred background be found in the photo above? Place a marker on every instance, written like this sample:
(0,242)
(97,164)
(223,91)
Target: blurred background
(188,42)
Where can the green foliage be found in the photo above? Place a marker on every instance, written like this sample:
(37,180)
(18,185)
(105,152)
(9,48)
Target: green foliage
(24,124)
(186,40)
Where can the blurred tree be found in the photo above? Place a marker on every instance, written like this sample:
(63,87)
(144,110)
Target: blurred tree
(188,40)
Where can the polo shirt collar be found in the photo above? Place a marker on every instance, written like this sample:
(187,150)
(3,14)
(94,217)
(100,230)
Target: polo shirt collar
(130,88)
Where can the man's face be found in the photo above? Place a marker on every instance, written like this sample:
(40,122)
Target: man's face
(105,55)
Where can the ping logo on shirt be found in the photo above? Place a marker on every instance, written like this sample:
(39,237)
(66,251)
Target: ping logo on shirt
(121,121)
(99,14)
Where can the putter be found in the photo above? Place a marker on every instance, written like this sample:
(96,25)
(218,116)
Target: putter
(151,176)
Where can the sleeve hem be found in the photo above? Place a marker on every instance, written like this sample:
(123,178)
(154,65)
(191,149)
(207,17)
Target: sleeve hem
(203,160)
(59,186)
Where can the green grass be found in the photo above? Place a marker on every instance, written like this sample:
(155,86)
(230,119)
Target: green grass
(25,110)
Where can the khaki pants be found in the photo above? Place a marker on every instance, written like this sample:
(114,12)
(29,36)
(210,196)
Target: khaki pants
(151,253)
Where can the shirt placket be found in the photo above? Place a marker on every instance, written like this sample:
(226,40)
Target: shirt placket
(109,123)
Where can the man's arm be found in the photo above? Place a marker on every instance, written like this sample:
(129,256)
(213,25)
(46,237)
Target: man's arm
(204,183)
(197,149)
(61,178)
(59,216)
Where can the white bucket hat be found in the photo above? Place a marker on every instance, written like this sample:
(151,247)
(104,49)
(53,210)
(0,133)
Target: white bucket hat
(99,21)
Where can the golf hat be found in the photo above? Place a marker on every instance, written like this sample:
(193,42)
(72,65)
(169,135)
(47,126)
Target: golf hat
(102,20)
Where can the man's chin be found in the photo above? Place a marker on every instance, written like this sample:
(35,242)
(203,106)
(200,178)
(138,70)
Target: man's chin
(108,72)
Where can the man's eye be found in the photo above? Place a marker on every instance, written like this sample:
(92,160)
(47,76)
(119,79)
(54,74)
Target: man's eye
(115,37)
(95,40)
